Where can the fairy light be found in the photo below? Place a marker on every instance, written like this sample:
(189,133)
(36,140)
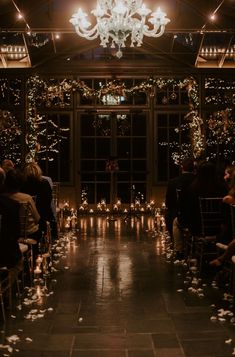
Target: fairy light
(62,90)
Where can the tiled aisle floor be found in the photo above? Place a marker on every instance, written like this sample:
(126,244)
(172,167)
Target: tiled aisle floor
(115,295)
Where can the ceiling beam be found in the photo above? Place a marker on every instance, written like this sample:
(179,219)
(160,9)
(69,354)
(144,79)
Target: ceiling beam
(4,61)
(199,49)
(27,50)
(223,57)
(68,30)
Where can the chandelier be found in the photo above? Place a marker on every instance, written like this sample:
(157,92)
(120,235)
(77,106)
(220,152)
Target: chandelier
(118,20)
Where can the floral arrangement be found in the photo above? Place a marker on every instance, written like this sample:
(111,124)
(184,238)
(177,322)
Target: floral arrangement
(111,165)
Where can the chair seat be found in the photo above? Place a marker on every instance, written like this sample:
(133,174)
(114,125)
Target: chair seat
(23,247)
(206,239)
(221,246)
(29,241)
(46,255)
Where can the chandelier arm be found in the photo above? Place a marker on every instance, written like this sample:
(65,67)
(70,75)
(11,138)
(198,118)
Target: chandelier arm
(91,34)
(155,32)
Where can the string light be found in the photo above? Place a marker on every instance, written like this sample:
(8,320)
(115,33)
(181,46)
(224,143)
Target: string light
(10,136)
(59,94)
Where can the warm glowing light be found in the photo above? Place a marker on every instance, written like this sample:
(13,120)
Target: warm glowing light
(20,16)
(120,20)
(212,17)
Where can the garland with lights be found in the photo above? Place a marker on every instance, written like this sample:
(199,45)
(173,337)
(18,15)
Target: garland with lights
(219,127)
(118,88)
(55,94)
(220,91)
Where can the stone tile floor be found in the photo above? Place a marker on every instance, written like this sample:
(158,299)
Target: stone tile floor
(115,292)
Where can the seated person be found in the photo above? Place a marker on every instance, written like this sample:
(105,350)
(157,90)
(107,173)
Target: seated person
(7,165)
(175,185)
(205,184)
(10,254)
(229,251)
(230,198)
(37,185)
(228,173)
(13,184)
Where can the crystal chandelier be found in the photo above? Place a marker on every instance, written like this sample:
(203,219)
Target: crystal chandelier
(116,20)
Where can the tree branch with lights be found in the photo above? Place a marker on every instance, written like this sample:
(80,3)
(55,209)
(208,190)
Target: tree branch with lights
(10,137)
(36,129)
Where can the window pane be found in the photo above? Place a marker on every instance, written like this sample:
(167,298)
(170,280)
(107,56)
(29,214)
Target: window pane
(139,147)
(123,147)
(138,125)
(87,125)
(87,148)
(173,120)
(162,120)
(124,192)
(87,165)
(102,148)
(103,191)
(87,176)
(139,165)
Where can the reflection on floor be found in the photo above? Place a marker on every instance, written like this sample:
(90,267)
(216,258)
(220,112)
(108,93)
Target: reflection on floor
(115,292)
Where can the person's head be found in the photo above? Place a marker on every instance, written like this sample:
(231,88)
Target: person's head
(13,181)
(206,171)
(232,183)
(187,165)
(2,178)
(228,172)
(7,165)
(32,170)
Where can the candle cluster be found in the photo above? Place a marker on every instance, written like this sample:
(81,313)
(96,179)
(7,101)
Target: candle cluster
(69,216)
(159,219)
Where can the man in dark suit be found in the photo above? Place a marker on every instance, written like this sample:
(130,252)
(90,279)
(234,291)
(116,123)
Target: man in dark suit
(175,185)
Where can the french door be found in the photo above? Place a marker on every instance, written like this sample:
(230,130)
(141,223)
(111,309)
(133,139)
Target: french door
(119,136)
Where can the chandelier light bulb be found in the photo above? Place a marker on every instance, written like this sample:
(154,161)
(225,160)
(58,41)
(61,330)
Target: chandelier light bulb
(118,21)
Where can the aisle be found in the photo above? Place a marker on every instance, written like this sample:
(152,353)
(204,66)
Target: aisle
(115,294)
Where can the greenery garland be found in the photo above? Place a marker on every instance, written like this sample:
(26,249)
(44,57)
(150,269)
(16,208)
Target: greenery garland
(40,91)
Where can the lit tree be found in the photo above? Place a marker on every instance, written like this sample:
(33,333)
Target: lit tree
(10,133)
